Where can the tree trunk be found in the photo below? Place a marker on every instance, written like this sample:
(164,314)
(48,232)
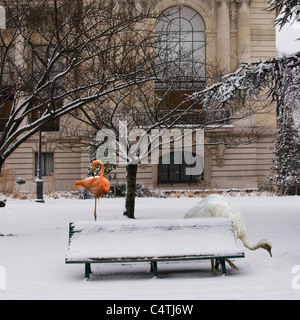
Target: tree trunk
(131,190)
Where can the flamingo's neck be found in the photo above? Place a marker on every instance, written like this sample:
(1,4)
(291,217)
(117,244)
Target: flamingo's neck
(102,170)
(94,166)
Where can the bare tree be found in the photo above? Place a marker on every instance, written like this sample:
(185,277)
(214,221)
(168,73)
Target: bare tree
(155,106)
(58,56)
(152,110)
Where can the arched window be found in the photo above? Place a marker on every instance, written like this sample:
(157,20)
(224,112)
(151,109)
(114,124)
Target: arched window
(181,34)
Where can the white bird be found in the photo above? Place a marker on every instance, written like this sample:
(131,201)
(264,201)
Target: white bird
(216,206)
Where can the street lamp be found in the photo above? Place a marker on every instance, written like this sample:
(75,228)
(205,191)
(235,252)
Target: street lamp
(39,180)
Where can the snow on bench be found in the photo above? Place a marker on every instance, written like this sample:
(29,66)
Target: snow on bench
(151,241)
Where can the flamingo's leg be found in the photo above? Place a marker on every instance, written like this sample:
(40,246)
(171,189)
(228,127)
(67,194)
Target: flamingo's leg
(95,213)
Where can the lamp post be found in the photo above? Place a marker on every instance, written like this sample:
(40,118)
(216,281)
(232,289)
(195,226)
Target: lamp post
(39,180)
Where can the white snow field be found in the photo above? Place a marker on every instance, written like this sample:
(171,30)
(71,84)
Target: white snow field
(32,258)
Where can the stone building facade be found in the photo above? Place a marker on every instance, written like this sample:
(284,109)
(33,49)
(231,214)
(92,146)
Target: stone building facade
(235,31)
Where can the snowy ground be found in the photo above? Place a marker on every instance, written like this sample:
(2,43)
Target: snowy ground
(34,256)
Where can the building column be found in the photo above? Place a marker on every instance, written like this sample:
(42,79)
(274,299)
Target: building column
(243,31)
(223,34)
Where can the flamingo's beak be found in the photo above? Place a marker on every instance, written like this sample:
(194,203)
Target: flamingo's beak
(94,166)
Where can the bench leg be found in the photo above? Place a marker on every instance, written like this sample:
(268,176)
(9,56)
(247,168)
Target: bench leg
(88,271)
(224,270)
(154,268)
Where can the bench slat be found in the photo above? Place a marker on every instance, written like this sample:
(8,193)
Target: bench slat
(152,240)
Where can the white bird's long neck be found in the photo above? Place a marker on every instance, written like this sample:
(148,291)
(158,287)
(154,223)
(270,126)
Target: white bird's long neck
(250,246)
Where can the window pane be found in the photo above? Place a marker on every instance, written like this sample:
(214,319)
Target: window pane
(47,164)
(172,13)
(175,173)
(7,57)
(199,22)
(199,56)
(187,36)
(186,26)
(50,126)
(174,26)
(199,37)
(187,12)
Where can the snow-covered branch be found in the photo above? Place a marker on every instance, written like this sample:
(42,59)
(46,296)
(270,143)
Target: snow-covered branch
(288,11)
(58,56)
(251,79)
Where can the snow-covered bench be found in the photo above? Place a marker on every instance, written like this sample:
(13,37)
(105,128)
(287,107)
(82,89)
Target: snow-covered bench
(151,241)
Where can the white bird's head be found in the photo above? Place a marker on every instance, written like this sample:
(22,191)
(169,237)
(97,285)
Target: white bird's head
(267,245)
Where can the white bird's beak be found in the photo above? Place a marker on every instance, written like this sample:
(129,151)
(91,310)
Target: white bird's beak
(270,251)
